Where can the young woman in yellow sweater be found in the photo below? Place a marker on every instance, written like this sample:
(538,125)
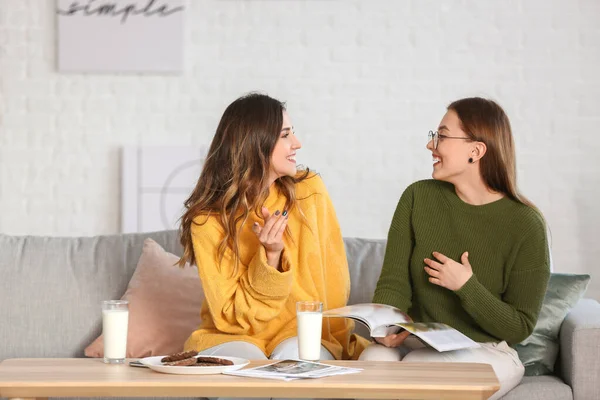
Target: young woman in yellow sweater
(264,236)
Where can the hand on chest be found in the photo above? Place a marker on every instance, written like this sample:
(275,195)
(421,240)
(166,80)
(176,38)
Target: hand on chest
(484,260)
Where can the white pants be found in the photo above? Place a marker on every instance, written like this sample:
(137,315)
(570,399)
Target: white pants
(503,359)
(285,350)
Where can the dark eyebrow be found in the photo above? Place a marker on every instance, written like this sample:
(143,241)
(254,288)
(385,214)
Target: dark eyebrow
(442,127)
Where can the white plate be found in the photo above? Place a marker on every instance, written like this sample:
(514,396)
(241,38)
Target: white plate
(155,364)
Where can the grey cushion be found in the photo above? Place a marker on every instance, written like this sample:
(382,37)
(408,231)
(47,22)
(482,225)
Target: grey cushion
(365,259)
(51,289)
(540,388)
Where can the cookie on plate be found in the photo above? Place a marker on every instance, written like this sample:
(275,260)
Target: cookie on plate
(182,363)
(179,356)
(214,360)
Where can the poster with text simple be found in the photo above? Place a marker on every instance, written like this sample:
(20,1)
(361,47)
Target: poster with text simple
(120,35)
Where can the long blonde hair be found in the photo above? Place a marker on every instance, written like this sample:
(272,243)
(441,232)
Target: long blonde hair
(234,178)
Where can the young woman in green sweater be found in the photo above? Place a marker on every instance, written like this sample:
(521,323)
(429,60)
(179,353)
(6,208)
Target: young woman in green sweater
(466,248)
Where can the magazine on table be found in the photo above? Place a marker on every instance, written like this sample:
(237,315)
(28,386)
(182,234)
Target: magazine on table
(288,370)
(383,320)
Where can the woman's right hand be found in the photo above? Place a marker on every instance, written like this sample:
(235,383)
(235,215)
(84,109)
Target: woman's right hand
(393,340)
(270,234)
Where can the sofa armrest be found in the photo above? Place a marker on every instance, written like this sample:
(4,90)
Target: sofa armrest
(580,350)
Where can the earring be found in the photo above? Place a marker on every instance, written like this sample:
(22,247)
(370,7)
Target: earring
(470,160)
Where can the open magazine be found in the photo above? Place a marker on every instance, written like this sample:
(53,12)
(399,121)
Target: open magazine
(383,320)
(288,370)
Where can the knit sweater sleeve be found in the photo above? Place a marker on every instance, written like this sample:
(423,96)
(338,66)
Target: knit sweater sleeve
(337,274)
(242,299)
(394,285)
(513,316)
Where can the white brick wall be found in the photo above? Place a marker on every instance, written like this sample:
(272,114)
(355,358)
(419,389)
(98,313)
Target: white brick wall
(364,81)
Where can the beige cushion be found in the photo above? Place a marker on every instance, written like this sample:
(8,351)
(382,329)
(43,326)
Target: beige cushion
(164,305)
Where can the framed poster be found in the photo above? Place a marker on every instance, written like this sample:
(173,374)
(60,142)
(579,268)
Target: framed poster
(120,35)
(155,182)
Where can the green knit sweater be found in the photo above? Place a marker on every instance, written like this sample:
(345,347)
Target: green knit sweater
(508,252)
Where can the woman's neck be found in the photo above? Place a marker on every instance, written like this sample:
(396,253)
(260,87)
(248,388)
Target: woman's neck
(476,193)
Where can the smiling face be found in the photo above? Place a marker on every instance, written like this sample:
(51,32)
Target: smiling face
(451,158)
(283,158)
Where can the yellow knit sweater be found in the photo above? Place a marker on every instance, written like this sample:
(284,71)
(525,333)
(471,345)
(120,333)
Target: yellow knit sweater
(257,304)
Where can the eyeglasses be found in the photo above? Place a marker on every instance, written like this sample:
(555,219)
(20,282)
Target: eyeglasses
(435,136)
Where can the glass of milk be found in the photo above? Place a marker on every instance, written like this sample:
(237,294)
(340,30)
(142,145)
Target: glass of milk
(310,320)
(115,318)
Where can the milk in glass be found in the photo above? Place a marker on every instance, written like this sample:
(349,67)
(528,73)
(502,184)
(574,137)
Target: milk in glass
(309,316)
(115,319)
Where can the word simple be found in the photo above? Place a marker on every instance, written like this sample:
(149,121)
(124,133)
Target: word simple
(111,9)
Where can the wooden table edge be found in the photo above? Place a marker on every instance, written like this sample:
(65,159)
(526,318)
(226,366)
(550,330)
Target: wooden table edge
(235,388)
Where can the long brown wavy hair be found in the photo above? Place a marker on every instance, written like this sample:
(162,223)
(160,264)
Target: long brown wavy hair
(485,121)
(234,178)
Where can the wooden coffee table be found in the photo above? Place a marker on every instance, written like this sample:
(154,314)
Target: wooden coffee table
(81,377)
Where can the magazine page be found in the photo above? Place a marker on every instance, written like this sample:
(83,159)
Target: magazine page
(377,317)
(439,336)
(293,369)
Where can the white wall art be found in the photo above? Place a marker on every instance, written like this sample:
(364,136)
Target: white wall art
(120,35)
(155,183)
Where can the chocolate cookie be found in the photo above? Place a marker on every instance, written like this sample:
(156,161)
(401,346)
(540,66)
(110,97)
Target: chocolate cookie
(182,363)
(214,360)
(205,364)
(179,356)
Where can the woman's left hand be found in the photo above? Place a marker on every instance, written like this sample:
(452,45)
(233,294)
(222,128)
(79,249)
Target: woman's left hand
(448,273)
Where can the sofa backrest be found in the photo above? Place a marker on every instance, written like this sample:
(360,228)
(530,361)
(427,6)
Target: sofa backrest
(365,258)
(51,287)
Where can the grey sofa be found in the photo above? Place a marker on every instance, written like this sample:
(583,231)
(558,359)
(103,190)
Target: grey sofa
(51,288)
